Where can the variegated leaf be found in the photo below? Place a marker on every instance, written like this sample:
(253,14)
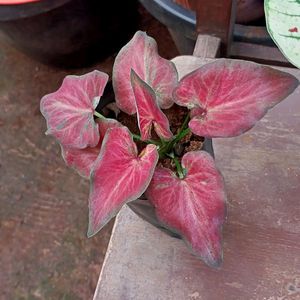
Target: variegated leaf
(193,206)
(283,24)
(141,55)
(119,176)
(227,97)
(82,160)
(148,111)
(70,110)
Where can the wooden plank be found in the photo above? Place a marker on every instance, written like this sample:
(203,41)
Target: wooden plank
(216,18)
(261,236)
(207,46)
(258,53)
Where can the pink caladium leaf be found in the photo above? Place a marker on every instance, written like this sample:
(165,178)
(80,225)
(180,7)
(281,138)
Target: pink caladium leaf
(119,175)
(141,55)
(104,125)
(82,160)
(227,97)
(70,110)
(148,111)
(193,206)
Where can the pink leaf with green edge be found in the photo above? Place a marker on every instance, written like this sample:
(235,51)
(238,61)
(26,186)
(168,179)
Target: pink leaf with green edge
(82,160)
(70,110)
(141,55)
(193,206)
(105,125)
(148,111)
(119,175)
(228,97)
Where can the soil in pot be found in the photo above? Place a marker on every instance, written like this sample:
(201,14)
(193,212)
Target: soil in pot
(176,115)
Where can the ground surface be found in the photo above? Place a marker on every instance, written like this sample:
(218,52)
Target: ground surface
(44,252)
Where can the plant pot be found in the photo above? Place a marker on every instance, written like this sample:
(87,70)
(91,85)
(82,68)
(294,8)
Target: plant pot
(181,22)
(69,33)
(142,207)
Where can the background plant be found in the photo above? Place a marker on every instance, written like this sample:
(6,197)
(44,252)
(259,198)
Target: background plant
(283,24)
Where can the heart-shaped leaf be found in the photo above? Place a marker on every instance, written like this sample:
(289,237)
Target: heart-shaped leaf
(82,160)
(70,110)
(148,111)
(228,97)
(194,206)
(283,24)
(141,55)
(119,176)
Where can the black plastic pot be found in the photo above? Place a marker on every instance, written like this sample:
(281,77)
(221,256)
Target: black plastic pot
(181,23)
(69,33)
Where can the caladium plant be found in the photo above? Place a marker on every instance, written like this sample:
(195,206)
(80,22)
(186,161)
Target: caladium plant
(223,98)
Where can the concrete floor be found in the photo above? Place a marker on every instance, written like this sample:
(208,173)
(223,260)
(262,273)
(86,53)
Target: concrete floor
(44,252)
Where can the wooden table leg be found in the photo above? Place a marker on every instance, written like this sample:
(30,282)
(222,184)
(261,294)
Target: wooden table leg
(216,18)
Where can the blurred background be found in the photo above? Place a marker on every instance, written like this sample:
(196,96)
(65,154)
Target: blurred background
(44,251)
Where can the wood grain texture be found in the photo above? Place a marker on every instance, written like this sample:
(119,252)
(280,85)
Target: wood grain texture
(258,53)
(261,236)
(216,18)
(207,46)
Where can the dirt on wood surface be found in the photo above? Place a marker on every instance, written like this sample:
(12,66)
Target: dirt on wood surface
(44,251)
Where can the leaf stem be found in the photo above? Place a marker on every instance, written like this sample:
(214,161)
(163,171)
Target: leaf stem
(178,167)
(181,135)
(135,136)
(138,138)
(98,115)
(183,131)
(185,122)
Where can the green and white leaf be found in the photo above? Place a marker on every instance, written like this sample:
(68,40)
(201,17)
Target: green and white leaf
(283,24)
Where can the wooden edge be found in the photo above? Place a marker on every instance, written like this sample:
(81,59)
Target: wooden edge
(207,46)
(188,63)
(216,18)
(259,53)
(107,254)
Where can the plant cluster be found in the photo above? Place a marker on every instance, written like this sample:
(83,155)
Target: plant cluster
(223,98)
